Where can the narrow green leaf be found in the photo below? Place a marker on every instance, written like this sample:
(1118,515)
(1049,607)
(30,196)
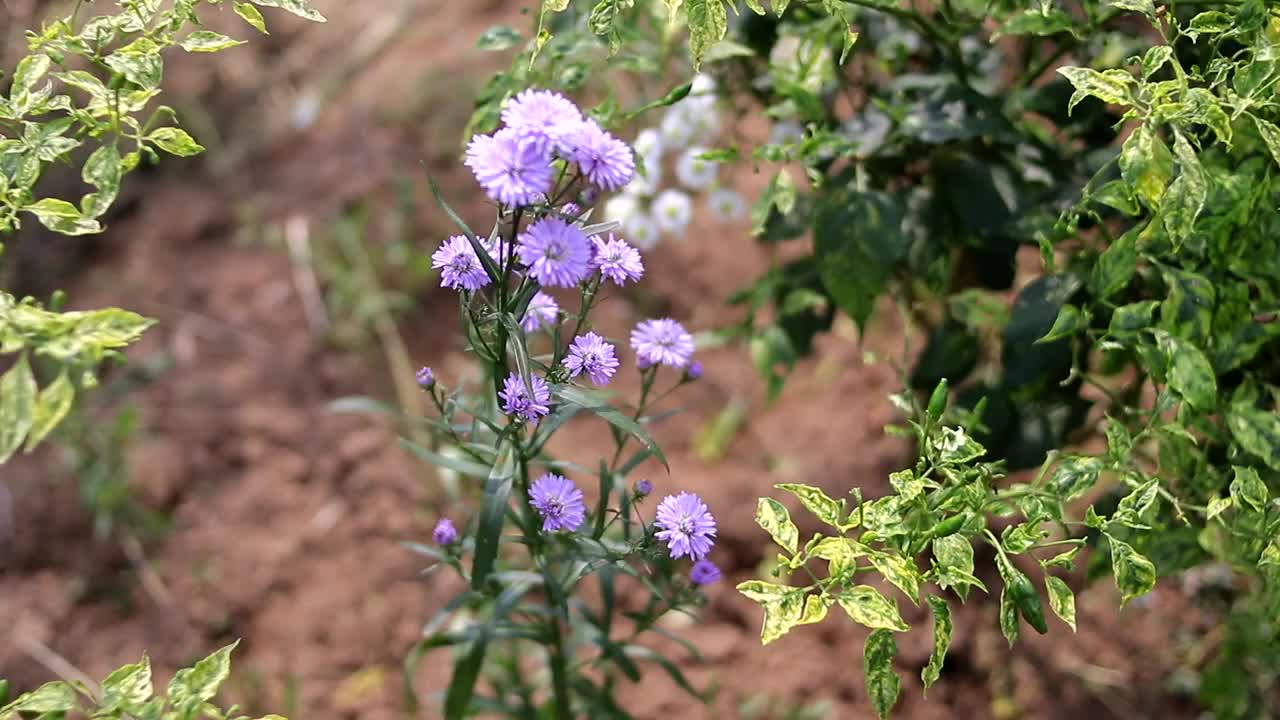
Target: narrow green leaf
(52,405)
(941,640)
(17,406)
(462,685)
(456,464)
(882,682)
(493,511)
(1061,600)
(593,403)
(774,519)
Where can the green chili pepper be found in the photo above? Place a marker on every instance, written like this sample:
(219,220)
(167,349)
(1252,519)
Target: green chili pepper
(938,401)
(1027,600)
(950,526)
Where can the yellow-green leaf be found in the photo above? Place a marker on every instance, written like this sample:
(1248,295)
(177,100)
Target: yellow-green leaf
(866,606)
(774,519)
(941,640)
(815,501)
(51,407)
(17,406)
(208,41)
(882,682)
(1247,489)
(1061,600)
(251,15)
(899,570)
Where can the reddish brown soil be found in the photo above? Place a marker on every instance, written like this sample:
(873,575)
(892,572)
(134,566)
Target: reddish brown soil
(286,517)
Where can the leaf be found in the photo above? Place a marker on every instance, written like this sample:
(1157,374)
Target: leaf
(1190,373)
(1217,506)
(595,404)
(1075,475)
(1061,600)
(1154,59)
(839,552)
(251,15)
(941,640)
(781,615)
(857,242)
(17,406)
(297,7)
(1202,106)
(708,22)
(815,609)
(1135,575)
(128,687)
(1257,431)
(498,37)
(191,687)
(1068,322)
(953,561)
(493,510)
(208,41)
(1132,317)
(103,171)
(1248,489)
(175,141)
(462,683)
(1115,266)
(877,671)
(29,72)
(53,697)
(1042,21)
(52,405)
(457,464)
(1186,196)
(1147,165)
(780,193)
(1146,7)
(899,570)
(866,606)
(774,519)
(139,62)
(756,6)
(1270,135)
(1110,86)
(816,501)
(762,591)
(1008,617)
(62,217)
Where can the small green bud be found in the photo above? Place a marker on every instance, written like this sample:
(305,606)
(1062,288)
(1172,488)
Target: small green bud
(938,401)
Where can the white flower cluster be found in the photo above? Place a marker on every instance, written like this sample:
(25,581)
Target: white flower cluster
(646,208)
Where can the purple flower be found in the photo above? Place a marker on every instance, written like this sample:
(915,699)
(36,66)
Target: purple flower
(556,252)
(571,209)
(662,341)
(541,117)
(516,400)
(425,377)
(558,501)
(694,370)
(542,312)
(704,572)
(459,265)
(685,525)
(591,354)
(617,260)
(643,487)
(603,159)
(445,533)
(511,171)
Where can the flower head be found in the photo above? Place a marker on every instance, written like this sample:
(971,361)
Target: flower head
(591,354)
(511,171)
(662,341)
(641,230)
(571,209)
(616,260)
(556,252)
(444,533)
(726,205)
(542,312)
(693,370)
(604,160)
(648,144)
(541,117)
(425,377)
(694,172)
(459,265)
(516,400)
(643,488)
(685,525)
(672,211)
(558,501)
(704,572)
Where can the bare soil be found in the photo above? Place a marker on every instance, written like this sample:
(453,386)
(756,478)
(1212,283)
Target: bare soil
(286,517)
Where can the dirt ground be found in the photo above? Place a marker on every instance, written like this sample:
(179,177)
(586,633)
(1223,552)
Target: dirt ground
(287,517)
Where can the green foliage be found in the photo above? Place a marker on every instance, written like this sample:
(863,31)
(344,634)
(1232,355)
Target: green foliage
(128,693)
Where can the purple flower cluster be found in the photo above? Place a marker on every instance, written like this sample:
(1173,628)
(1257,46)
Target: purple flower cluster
(514,165)
(558,501)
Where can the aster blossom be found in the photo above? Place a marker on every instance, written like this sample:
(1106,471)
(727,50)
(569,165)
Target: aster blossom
(444,533)
(459,265)
(685,524)
(695,172)
(541,117)
(604,160)
(616,260)
(590,354)
(704,572)
(672,211)
(542,312)
(556,252)
(558,501)
(425,377)
(512,171)
(663,341)
(516,400)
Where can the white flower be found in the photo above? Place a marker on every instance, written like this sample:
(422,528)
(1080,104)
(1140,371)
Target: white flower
(727,205)
(785,132)
(640,230)
(694,172)
(621,207)
(704,119)
(703,84)
(672,210)
(677,127)
(648,144)
(647,184)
